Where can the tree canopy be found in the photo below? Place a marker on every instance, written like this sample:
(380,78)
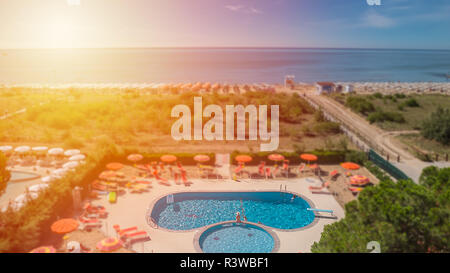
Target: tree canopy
(402,216)
(4,174)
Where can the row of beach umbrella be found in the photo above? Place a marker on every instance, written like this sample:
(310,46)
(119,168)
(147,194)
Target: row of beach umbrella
(40,149)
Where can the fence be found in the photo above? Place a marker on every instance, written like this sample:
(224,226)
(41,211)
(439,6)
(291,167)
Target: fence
(386,165)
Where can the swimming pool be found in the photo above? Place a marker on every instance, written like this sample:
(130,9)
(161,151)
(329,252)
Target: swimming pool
(19,176)
(236,238)
(191,210)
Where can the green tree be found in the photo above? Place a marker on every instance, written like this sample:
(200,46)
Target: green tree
(437,126)
(402,216)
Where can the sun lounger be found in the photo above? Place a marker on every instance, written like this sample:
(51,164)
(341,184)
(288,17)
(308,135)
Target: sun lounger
(122,232)
(268,173)
(185,180)
(132,238)
(334,173)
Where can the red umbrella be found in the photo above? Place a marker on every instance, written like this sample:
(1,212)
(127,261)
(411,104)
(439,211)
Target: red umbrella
(276,157)
(114,166)
(168,158)
(350,166)
(44,249)
(107,174)
(135,157)
(109,244)
(243,158)
(359,180)
(64,226)
(308,157)
(201,158)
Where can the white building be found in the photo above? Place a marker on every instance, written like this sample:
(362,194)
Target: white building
(348,89)
(325,87)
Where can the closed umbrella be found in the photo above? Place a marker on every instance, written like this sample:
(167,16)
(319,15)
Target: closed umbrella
(64,225)
(72,152)
(109,244)
(201,158)
(168,158)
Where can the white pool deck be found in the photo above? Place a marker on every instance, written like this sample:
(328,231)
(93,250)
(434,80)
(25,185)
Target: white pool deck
(130,210)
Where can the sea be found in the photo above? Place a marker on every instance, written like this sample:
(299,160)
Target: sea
(222,65)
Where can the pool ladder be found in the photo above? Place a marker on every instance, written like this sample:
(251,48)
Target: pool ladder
(169,199)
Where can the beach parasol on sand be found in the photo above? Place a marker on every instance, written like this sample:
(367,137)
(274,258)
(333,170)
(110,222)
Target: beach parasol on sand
(109,244)
(72,152)
(22,149)
(168,158)
(276,157)
(359,180)
(114,166)
(77,157)
(350,166)
(37,187)
(47,179)
(71,165)
(64,226)
(201,158)
(44,249)
(308,157)
(6,149)
(56,151)
(135,157)
(243,158)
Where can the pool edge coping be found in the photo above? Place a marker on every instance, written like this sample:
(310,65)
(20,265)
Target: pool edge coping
(200,231)
(149,219)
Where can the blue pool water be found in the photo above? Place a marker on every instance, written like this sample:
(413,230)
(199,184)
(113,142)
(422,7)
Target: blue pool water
(195,209)
(236,238)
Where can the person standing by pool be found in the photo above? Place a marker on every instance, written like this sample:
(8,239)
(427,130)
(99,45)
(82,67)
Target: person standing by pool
(238,217)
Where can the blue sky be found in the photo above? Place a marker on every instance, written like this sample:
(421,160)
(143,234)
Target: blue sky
(202,23)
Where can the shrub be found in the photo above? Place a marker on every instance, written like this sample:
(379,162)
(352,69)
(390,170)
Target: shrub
(411,103)
(380,116)
(437,126)
(360,105)
(326,128)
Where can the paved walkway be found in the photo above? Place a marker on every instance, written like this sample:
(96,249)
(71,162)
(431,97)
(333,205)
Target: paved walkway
(223,163)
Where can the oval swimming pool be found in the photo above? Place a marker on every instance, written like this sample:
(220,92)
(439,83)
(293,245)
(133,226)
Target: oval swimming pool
(191,210)
(236,238)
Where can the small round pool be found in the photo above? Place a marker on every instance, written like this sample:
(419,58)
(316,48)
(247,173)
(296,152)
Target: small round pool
(236,238)
(20,176)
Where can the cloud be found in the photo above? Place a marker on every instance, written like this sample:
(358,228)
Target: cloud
(373,19)
(243,9)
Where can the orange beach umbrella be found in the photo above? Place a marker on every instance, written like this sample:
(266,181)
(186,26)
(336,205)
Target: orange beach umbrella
(44,249)
(243,158)
(114,166)
(201,158)
(308,157)
(135,157)
(64,226)
(350,166)
(109,244)
(168,158)
(276,157)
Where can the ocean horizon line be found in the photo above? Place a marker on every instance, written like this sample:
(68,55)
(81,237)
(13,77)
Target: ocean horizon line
(229,47)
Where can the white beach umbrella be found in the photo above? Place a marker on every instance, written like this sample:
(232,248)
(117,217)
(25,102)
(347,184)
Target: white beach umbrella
(40,149)
(71,165)
(22,149)
(47,179)
(72,152)
(56,151)
(23,197)
(37,187)
(77,157)
(59,172)
(5,148)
